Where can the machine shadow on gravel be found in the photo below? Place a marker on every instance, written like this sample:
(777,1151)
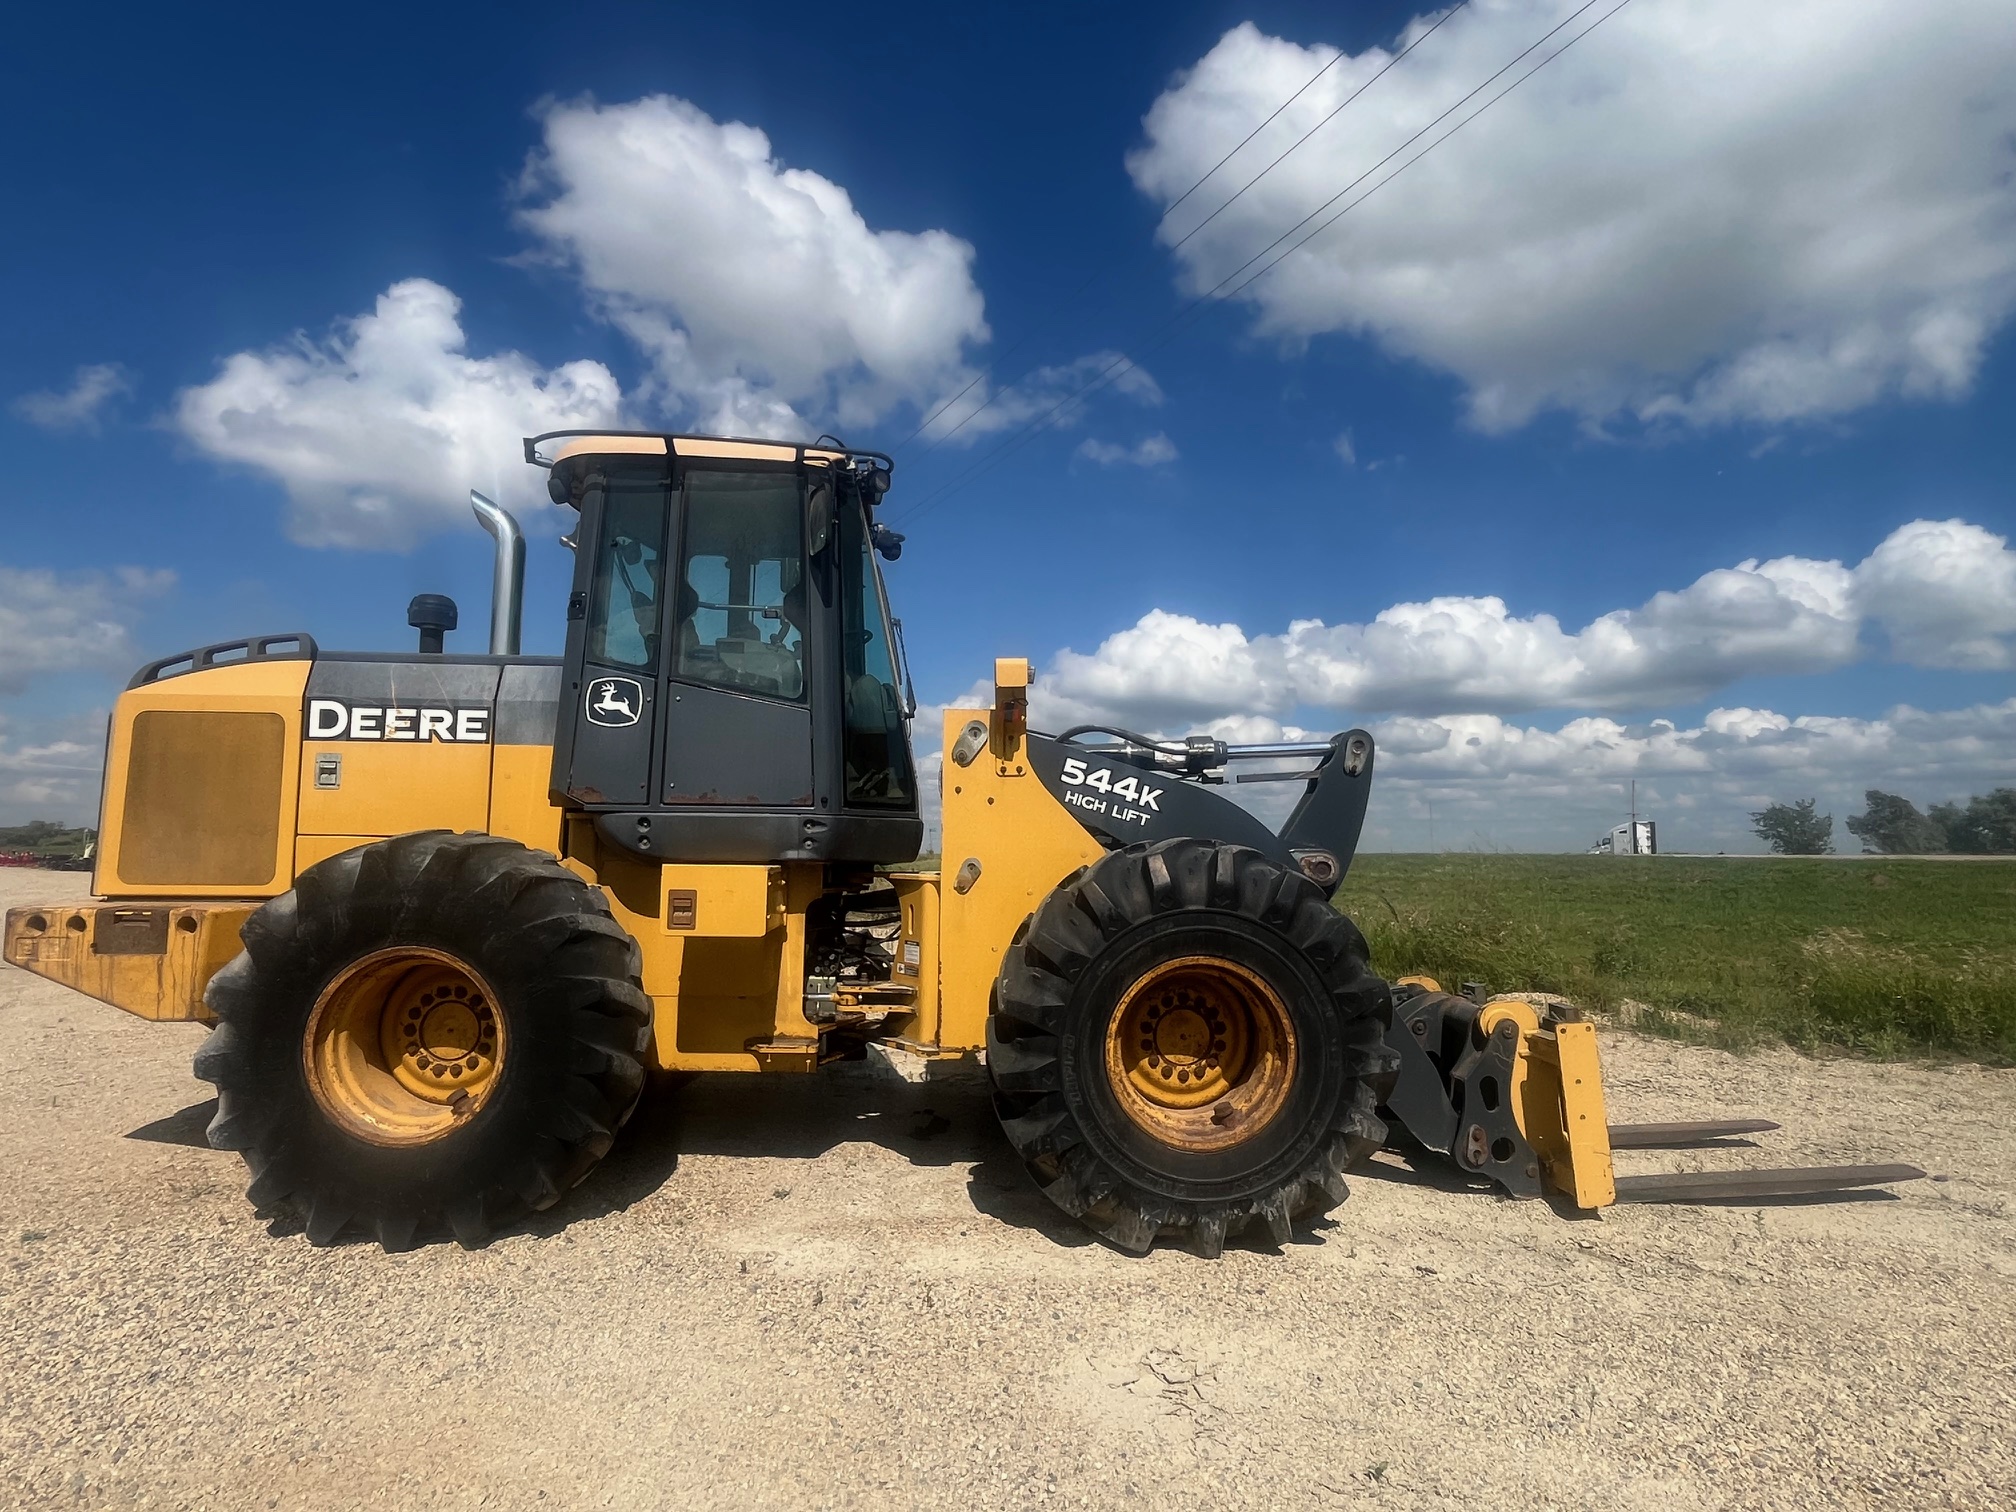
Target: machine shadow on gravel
(939,1123)
(1000,1188)
(944,1122)
(182,1128)
(799,1118)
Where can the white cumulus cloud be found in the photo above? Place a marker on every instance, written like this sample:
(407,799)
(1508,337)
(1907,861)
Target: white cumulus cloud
(1943,593)
(79,406)
(1457,781)
(1055,396)
(53,773)
(379,432)
(70,621)
(1150,451)
(764,302)
(1710,211)
(760,290)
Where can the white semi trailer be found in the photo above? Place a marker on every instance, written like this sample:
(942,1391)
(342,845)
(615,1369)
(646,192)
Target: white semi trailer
(1638,837)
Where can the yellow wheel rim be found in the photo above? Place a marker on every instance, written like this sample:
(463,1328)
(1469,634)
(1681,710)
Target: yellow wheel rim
(1200,1053)
(404,1045)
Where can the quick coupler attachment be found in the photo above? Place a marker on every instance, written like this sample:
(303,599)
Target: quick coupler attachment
(1513,1092)
(1506,1090)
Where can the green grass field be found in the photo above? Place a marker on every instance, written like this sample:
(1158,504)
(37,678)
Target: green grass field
(1886,957)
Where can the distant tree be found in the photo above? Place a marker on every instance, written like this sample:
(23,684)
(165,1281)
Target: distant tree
(1985,827)
(34,832)
(1993,821)
(1894,827)
(1793,829)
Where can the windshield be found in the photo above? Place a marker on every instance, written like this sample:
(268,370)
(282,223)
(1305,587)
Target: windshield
(879,773)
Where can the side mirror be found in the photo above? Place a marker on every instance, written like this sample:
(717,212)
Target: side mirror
(819,517)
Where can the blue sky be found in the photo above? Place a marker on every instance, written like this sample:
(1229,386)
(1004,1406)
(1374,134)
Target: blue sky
(1706,291)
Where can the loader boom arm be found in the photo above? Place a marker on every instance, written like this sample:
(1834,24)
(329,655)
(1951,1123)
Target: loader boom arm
(1128,795)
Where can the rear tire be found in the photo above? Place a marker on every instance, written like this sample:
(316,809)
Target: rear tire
(1187,1041)
(435,1031)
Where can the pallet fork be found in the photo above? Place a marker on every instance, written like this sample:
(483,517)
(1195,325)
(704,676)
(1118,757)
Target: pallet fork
(1513,1092)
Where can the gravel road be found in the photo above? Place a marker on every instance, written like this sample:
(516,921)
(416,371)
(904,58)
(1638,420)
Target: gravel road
(837,1292)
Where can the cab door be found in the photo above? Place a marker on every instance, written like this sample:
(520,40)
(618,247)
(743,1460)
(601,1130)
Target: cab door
(738,692)
(614,630)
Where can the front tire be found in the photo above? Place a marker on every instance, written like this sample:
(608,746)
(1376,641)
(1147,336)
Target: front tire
(434,1031)
(1187,1041)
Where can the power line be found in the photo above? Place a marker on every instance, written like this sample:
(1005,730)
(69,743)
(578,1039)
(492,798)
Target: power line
(1335,58)
(1097,274)
(1320,124)
(1174,324)
(1112,369)
(1276,262)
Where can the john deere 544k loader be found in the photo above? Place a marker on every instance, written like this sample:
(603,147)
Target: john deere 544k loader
(445,911)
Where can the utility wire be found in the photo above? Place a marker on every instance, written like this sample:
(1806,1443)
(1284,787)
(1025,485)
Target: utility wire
(1445,16)
(1114,368)
(1121,362)
(1072,298)
(1221,285)
(1190,314)
(1174,324)
(1097,274)
(1335,58)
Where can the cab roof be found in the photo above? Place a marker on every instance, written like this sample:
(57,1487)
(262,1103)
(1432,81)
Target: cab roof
(821,453)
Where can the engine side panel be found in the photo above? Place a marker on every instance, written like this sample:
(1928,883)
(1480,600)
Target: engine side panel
(397,746)
(229,780)
(521,756)
(201,779)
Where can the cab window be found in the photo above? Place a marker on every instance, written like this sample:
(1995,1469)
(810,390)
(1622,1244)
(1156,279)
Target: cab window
(877,741)
(741,612)
(629,574)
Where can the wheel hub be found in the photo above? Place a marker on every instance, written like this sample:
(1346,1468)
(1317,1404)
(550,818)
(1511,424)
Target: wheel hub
(1183,1035)
(1200,1052)
(404,1045)
(440,1034)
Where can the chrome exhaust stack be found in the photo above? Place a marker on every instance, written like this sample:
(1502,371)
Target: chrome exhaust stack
(507,584)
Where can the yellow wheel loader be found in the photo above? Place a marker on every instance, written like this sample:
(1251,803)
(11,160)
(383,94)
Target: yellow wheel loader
(447,911)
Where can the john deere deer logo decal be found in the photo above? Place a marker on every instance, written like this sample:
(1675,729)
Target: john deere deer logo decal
(615,701)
